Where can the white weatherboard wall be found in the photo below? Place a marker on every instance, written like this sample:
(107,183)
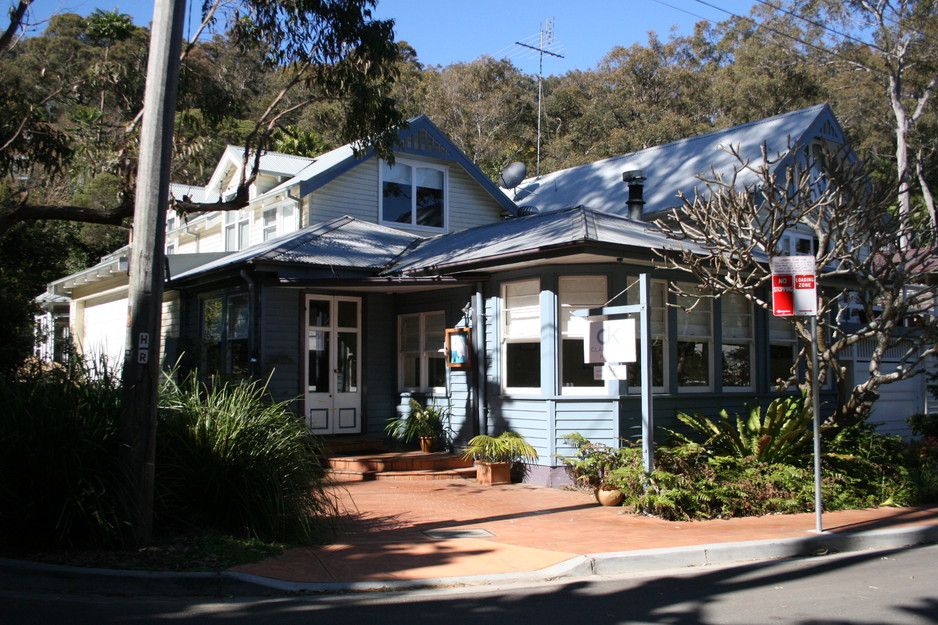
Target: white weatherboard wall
(104,324)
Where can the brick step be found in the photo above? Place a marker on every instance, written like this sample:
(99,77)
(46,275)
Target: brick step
(466,473)
(400,465)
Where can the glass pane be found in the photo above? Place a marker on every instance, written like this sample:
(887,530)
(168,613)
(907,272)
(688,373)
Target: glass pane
(523,365)
(430,207)
(347,369)
(578,292)
(397,201)
(237,317)
(319,313)
(410,370)
(693,363)
(347,314)
(244,235)
(436,371)
(781,358)
(211,320)
(522,309)
(410,334)
(737,365)
(657,365)
(575,371)
(435,335)
(238,353)
(318,375)
(231,241)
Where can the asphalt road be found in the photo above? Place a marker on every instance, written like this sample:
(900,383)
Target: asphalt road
(896,587)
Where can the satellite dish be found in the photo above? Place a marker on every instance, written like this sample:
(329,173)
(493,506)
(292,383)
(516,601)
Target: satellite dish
(512,175)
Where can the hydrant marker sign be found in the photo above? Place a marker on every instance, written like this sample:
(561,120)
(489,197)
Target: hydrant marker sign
(794,286)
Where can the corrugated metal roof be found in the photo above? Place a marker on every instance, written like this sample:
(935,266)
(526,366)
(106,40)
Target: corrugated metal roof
(522,236)
(672,167)
(275,162)
(345,242)
(195,194)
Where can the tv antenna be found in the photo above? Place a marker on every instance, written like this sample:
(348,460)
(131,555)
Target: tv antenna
(546,40)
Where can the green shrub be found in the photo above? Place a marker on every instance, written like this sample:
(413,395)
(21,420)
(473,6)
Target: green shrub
(232,460)
(58,451)
(924,425)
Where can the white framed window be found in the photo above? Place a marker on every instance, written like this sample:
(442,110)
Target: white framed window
(694,340)
(738,340)
(576,292)
(414,194)
(421,363)
(521,337)
(237,229)
(659,338)
(277,220)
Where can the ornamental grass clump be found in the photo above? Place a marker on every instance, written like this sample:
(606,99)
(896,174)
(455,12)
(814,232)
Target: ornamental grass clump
(233,460)
(58,456)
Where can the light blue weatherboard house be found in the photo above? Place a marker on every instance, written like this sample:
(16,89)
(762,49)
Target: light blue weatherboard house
(342,277)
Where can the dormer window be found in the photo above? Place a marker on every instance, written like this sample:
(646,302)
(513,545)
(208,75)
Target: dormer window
(413,194)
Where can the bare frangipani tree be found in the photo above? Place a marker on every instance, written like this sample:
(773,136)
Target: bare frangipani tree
(875,296)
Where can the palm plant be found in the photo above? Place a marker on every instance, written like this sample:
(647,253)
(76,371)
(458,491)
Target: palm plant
(423,421)
(780,434)
(506,447)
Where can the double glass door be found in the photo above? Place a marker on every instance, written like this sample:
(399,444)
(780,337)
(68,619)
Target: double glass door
(333,368)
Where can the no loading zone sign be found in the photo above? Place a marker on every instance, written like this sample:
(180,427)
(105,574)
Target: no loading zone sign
(794,286)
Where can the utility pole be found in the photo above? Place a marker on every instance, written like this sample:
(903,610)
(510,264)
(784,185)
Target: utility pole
(546,39)
(141,374)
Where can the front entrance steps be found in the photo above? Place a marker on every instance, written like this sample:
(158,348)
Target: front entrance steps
(353,460)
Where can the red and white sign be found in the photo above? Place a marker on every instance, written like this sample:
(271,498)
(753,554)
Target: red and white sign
(794,286)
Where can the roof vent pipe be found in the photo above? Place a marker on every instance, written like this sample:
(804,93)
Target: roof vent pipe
(635,179)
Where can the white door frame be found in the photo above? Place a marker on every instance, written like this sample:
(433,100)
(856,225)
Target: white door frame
(332,364)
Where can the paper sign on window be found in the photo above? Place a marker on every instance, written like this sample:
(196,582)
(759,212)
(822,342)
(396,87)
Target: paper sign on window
(610,341)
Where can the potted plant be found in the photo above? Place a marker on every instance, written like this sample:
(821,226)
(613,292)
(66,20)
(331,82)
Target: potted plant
(592,466)
(494,456)
(425,422)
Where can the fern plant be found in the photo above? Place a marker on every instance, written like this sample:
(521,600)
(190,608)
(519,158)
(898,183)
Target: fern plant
(782,433)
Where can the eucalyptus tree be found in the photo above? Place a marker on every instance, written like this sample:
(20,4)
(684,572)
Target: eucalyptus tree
(327,51)
(892,44)
(487,107)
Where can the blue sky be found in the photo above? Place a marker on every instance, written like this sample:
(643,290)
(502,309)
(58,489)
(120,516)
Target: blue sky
(451,31)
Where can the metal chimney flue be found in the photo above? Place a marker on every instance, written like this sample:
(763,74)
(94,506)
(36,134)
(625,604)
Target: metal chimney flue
(635,178)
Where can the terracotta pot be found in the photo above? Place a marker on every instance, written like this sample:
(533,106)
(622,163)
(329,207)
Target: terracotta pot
(428,443)
(609,496)
(491,473)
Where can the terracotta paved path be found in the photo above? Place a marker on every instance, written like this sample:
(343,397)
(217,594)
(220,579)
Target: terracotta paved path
(516,528)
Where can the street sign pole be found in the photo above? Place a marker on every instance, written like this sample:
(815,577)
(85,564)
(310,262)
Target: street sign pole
(815,405)
(794,293)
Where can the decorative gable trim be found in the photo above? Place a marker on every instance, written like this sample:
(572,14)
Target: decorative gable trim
(422,141)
